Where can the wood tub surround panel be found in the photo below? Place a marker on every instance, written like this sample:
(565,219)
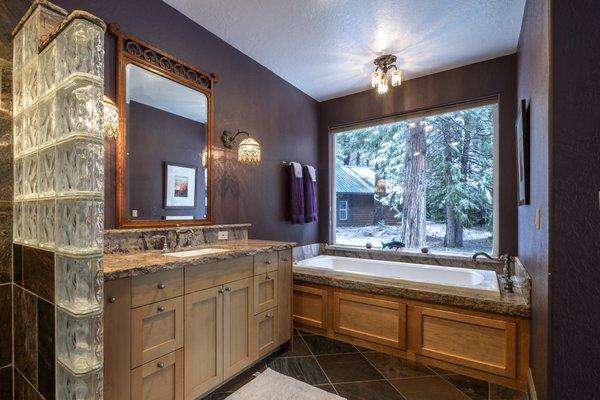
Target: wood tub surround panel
(477,342)
(375,320)
(160,379)
(484,345)
(203,341)
(310,306)
(156,329)
(202,323)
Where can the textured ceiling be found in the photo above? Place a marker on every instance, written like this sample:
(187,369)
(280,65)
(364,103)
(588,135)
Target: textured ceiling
(326,47)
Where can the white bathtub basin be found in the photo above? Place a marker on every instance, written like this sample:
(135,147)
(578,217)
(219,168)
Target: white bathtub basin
(193,253)
(460,280)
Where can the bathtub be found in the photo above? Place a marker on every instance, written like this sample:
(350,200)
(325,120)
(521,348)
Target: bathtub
(420,276)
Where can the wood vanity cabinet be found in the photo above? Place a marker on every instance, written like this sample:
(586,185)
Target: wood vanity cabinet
(180,334)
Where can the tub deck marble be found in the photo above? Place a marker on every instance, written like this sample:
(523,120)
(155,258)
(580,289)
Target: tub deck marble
(515,304)
(118,265)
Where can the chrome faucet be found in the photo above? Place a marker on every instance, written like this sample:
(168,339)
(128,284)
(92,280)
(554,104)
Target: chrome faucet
(506,260)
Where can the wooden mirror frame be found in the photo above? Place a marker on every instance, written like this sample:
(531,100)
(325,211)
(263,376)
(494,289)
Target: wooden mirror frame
(132,50)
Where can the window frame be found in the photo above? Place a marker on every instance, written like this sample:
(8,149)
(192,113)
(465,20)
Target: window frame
(333,130)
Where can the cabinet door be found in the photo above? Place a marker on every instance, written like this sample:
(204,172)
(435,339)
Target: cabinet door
(266,332)
(117,339)
(203,341)
(310,306)
(156,329)
(284,295)
(238,326)
(160,379)
(265,292)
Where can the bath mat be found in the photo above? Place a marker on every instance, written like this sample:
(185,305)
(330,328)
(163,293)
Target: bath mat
(271,385)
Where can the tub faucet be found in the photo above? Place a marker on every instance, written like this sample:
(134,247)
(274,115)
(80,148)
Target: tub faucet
(506,260)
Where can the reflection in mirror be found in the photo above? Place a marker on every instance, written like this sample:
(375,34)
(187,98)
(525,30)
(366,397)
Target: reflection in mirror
(166,148)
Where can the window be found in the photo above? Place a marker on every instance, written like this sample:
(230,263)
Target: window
(426,180)
(343,210)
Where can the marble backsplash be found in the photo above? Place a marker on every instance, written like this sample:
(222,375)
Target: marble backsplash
(172,239)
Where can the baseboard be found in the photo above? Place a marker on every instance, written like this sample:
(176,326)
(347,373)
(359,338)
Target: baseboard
(531,386)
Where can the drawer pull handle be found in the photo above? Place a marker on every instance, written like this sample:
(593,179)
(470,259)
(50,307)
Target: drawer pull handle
(161,286)
(112,300)
(161,308)
(160,365)
(268,262)
(228,289)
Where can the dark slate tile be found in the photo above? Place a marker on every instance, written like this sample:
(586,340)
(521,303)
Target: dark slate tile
(18,264)
(6,324)
(474,388)
(380,390)
(46,365)
(25,328)
(305,333)
(498,392)
(38,272)
(23,389)
(296,332)
(441,371)
(352,367)
(242,378)
(304,369)
(6,384)
(321,345)
(297,348)
(5,242)
(427,388)
(396,367)
(328,387)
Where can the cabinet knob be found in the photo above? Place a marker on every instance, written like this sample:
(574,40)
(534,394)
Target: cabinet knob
(160,365)
(160,286)
(268,262)
(269,315)
(112,299)
(228,289)
(285,259)
(267,277)
(220,290)
(161,308)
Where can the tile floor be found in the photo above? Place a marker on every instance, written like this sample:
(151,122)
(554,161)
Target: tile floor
(361,374)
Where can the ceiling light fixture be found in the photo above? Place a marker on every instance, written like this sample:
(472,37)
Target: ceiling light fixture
(379,78)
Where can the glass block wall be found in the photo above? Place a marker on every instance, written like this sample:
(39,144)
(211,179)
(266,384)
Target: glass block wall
(58,181)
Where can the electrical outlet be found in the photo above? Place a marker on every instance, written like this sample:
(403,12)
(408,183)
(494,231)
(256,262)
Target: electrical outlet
(223,235)
(134,213)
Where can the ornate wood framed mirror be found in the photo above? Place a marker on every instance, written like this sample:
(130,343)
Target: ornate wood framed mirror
(163,168)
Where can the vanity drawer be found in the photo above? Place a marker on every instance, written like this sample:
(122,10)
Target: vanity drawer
(265,292)
(160,379)
(156,329)
(159,286)
(266,331)
(214,274)
(265,262)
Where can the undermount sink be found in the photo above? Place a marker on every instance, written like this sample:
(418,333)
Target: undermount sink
(199,252)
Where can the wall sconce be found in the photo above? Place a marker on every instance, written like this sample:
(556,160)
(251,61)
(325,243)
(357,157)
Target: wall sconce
(110,114)
(248,149)
(205,157)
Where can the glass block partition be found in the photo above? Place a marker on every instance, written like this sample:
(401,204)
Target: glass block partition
(59,185)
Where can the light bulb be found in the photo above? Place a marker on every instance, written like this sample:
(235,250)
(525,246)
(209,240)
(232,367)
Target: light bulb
(396,77)
(375,77)
(382,88)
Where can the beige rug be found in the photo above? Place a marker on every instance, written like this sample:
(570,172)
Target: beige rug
(271,385)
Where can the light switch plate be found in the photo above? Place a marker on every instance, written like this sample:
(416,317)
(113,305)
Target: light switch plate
(223,235)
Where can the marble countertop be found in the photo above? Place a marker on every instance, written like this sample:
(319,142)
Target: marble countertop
(515,304)
(117,266)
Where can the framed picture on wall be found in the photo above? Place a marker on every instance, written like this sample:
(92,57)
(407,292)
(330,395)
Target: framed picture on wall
(522,129)
(180,186)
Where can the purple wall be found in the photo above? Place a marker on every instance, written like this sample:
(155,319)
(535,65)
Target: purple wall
(495,77)
(248,96)
(533,85)
(156,137)
(574,211)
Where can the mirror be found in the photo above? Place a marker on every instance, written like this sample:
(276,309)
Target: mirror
(163,166)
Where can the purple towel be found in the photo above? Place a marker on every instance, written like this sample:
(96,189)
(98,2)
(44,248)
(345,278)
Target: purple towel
(295,194)
(309,176)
